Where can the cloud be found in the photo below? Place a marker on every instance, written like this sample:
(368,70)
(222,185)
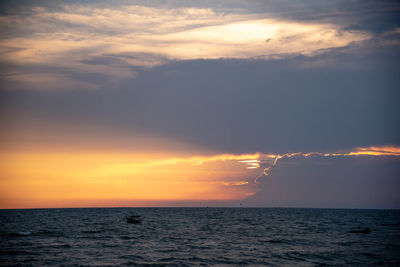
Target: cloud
(177,34)
(42,81)
(357,181)
(225,105)
(44,39)
(391,151)
(71,37)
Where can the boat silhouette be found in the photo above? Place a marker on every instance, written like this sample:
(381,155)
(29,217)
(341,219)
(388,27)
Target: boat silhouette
(133,219)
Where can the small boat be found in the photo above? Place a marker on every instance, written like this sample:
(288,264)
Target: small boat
(133,219)
(360,230)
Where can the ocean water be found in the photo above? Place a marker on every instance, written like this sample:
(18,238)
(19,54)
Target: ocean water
(199,237)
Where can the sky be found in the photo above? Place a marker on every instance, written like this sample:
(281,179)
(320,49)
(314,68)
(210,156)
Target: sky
(200,103)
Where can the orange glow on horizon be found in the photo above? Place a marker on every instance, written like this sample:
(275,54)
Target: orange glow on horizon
(46,178)
(50,179)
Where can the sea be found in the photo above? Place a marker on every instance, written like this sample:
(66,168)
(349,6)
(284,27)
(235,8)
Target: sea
(200,237)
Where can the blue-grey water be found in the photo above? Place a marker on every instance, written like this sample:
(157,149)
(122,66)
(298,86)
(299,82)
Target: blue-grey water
(198,236)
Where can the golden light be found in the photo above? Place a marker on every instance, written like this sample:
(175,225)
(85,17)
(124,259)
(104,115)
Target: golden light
(80,178)
(51,179)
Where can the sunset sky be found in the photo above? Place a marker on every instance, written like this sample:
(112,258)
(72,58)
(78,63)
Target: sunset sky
(200,103)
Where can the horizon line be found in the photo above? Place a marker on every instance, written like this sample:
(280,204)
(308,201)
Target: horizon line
(202,207)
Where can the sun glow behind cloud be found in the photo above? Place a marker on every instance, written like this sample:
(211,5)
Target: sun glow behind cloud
(59,179)
(109,41)
(104,179)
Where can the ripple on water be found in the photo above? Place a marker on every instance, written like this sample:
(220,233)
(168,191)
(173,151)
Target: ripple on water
(190,236)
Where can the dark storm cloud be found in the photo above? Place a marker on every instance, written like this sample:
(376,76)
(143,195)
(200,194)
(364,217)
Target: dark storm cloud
(243,105)
(358,182)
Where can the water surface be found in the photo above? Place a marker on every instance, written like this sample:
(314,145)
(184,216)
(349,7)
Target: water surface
(198,236)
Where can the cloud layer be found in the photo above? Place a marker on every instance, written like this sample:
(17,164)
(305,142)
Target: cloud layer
(46,47)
